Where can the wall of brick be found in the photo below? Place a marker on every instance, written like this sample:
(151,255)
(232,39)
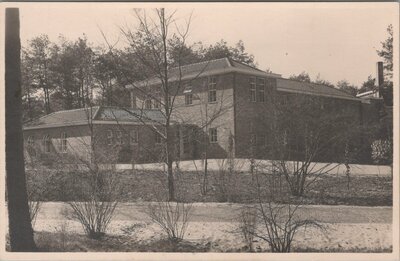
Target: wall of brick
(79,144)
(253,120)
(204,115)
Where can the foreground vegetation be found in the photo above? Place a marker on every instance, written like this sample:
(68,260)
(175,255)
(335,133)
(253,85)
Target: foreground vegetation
(69,242)
(140,185)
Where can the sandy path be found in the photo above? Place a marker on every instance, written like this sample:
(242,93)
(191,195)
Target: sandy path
(227,212)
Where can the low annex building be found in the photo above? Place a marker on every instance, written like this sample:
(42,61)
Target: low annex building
(107,134)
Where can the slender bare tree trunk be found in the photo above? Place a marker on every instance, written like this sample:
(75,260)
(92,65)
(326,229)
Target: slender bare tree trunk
(20,228)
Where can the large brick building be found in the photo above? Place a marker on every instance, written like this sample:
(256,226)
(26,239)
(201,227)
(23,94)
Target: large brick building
(231,103)
(220,107)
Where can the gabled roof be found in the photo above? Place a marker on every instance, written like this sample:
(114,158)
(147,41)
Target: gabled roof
(99,115)
(207,68)
(287,85)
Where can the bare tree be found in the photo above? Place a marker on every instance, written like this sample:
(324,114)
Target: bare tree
(20,228)
(158,43)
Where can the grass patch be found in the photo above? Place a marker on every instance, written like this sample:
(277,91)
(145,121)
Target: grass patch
(141,185)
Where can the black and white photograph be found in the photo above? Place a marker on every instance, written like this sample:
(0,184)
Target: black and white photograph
(200,131)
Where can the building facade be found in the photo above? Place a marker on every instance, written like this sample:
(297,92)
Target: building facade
(220,108)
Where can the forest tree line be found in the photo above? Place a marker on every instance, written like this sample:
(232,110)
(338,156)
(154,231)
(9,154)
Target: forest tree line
(70,74)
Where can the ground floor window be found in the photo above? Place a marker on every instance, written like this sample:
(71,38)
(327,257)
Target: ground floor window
(134,137)
(213,133)
(30,141)
(63,143)
(46,143)
(119,138)
(158,138)
(188,99)
(186,144)
(109,137)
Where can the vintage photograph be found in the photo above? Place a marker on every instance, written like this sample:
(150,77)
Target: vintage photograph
(252,128)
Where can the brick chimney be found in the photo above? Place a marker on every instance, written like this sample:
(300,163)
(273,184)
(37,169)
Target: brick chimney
(379,78)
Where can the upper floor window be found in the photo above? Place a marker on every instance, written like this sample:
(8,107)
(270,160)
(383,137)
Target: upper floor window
(109,137)
(46,143)
(188,99)
(212,89)
(213,133)
(260,89)
(133,137)
(147,104)
(63,142)
(252,89)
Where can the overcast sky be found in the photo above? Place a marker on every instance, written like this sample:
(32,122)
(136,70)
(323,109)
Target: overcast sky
(336,40)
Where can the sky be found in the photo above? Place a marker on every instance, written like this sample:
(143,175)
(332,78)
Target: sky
(333,40)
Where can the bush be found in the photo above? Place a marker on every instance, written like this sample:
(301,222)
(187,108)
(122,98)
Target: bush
(100,199)
(172,217)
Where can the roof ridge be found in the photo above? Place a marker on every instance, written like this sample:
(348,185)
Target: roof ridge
(320,84)
(77,109)
(191,64)
(245,64)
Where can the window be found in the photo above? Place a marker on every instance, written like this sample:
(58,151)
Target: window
(260,89)
(147,104)
(261,140)
(157,100)
(188,99)
(109,137)
(157,104)
(30,141)
(213,133)
(169,101)
(188,88)
(285,138)
(133,101)
(284,100)
(119,137)
(63,143)
(46,143)
(133,137)
(252,89)
(253,139)
(212,89)
(158,138)
(185,141)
